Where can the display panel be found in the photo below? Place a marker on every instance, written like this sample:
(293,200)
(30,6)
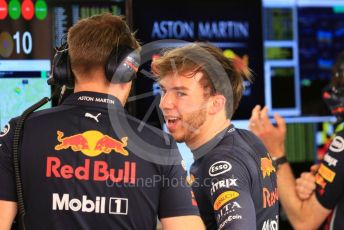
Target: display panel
(302,39)
(25,51)
(321,36)
(282,91)
(29,31)
(229,25)
(66,13)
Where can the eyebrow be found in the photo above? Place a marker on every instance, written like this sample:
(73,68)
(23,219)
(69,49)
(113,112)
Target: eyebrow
(176,88)
(180,88)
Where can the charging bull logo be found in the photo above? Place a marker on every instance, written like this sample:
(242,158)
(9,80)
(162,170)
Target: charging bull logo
(92,143)
(266,166)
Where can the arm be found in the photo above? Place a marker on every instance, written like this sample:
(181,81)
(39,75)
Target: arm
(8,205)
(8,211)
(230,194)
(300,213)
(176,207)
(182,222)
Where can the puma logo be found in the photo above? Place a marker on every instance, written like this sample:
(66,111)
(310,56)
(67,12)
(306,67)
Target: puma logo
(92,116)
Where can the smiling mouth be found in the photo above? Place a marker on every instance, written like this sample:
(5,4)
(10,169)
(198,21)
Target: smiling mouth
(172,122)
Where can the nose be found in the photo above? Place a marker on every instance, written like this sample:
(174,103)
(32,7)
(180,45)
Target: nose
(166,101)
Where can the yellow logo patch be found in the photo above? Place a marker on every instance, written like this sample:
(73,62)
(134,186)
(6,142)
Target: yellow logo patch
(326,173)
(224,198)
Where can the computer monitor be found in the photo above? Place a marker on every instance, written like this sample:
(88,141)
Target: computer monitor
(302,38)
(25,51)
(233,26)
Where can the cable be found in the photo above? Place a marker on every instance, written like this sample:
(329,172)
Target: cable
(63,90)
(18,133)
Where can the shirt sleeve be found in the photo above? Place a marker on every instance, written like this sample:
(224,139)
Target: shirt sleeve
(176,197)
(230,194)
(7,179)
(330,176)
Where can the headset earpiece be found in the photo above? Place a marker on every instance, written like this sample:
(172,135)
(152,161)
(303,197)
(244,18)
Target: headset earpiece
(122,65)
(61,71)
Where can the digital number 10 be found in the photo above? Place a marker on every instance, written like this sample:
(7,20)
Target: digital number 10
(25,42)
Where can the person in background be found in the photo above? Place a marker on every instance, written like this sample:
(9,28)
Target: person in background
(79,165)
(232,177)
(305,209)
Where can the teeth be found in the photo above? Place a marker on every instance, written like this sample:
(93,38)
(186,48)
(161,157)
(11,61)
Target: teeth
(171,118)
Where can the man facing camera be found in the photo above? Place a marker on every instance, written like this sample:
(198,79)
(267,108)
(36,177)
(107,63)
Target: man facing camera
(232,176)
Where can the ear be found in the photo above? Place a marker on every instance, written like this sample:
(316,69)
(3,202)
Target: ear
(218,104)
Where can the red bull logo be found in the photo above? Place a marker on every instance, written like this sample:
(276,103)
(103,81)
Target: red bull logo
(266,166)
(101,171)
(269,198)
(92,143)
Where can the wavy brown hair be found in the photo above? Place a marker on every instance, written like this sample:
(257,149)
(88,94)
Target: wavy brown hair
(91,41)
(219,73)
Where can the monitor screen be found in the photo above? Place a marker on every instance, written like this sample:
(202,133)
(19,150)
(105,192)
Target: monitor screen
(29,32)
(66,13)
(321,36)
(229,25)
(25,51)
(302,39)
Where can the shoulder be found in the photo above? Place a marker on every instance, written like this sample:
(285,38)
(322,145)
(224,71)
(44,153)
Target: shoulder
(240,152)
(35,119)
(241,145)
(337,144)
(150,132)
(224,161)
(247,138)
(7,134)
(49,113)
(146,141)
(242,138)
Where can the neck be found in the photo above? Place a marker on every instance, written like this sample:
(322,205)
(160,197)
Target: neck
(96,82)
(207,132)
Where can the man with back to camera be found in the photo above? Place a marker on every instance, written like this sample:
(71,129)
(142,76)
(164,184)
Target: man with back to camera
(329,178)
(79,170)
(232,177)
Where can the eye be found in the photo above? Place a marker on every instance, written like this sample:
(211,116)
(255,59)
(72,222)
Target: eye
(181,94)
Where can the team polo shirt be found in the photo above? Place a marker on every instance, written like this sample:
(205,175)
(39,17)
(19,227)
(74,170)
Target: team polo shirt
(330,182)
(234,182)
(86,164)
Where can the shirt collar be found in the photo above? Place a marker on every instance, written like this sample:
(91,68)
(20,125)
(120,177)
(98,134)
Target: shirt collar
(95,99)
(208,146)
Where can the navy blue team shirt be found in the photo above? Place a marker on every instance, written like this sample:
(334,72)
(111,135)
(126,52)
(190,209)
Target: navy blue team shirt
(330,182)
(82,170)
(234,182)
